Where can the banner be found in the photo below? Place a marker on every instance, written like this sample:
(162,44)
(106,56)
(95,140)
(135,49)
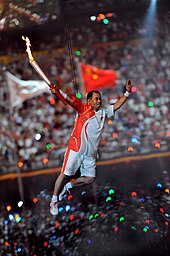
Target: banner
(21,90)
(92,78)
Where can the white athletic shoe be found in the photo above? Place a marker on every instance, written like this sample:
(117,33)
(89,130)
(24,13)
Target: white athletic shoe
(61,195)
(54,208)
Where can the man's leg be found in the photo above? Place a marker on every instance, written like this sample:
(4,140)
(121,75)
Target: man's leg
(87,170)
(70,165)
(83,180)
(59,184)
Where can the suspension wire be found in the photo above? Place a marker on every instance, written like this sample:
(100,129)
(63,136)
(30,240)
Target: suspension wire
(69,44)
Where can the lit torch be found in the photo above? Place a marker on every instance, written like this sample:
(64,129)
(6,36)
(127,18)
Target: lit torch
(39,70)
(33,62)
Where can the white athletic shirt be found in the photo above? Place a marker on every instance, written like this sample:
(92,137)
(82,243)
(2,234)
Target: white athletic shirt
(88,127)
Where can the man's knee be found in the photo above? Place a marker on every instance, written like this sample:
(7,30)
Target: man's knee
(89,180)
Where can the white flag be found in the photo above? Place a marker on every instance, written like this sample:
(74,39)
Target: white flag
(21,90)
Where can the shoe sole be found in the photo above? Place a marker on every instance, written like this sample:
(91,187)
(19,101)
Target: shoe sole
(53,213)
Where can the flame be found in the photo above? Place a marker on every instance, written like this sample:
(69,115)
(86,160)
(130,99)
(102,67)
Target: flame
(28,50)
(34,63)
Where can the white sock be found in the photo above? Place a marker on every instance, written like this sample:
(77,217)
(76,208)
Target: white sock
(69,185)
(54,198)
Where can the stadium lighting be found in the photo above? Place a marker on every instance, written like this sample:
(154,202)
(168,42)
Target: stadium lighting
(150,18)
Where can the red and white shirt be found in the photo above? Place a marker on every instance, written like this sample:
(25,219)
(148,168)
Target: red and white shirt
(88,126)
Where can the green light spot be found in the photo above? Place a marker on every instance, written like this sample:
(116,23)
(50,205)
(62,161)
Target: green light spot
(78,95)
(133,228)
(122,219)
(48,146)
(105,21)
(18,220)
(78,53)
(150,104)
(111,191)
(108,199)
(91,217)
(145,229)
(96,215)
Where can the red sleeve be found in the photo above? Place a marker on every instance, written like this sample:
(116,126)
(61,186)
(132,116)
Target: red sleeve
(57,93)
(76,104)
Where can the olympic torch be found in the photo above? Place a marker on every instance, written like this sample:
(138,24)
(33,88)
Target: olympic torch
(40,72)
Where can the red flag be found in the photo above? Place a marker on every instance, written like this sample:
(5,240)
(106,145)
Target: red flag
(93,78)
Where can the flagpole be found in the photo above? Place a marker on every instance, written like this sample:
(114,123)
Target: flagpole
(81,83)
(20,183)
(12,129)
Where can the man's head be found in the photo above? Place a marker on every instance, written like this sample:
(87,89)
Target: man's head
(94,99)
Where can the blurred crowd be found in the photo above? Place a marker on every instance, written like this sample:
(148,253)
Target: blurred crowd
(94,220)
(142,125)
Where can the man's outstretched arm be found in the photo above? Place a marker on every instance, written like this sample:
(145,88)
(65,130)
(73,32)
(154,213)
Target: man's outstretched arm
(123,99)
(65,96)
(71,100)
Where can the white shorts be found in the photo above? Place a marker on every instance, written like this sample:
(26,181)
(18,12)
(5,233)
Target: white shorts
(73,160)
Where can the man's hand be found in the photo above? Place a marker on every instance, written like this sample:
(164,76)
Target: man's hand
(128,86)
(52,90)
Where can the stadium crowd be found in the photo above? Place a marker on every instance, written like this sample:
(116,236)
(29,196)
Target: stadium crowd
(142,126)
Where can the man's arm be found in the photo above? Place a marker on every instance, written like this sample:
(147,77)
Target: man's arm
(71,100)
(65,96)
(123,99)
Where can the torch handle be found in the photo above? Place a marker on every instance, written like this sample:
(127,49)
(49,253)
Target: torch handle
(40,72)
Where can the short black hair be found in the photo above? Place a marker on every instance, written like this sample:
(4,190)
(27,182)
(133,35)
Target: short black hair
(90,94)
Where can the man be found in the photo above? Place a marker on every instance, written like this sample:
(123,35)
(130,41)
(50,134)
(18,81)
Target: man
(84,141)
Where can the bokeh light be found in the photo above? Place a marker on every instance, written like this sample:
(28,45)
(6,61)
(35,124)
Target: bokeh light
(78,52)
(35,200)
(20,203)
(52,101)
(134,194)
(159,185)
(121,219)
(92,18)
(133,89)
(130,149)
(48,146)
(8,207)
(157,145)
(110,122)
(105,21)
(111,191)
(78,95)
(150,104)
(11,217)
(45,160)
(20,164)
(115,135)
(38,136)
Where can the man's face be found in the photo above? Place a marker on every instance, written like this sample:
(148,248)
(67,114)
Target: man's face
(96,101)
